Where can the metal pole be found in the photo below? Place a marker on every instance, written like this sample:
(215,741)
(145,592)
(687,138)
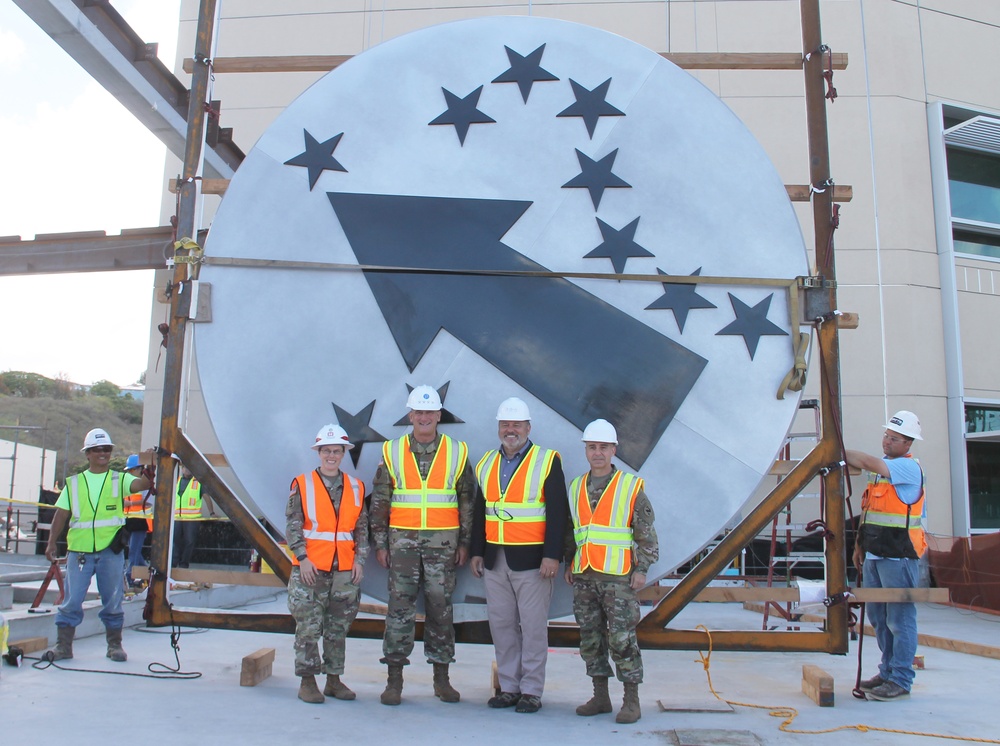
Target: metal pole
(174,367)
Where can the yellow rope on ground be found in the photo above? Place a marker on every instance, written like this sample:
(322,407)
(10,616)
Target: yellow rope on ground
(790,713)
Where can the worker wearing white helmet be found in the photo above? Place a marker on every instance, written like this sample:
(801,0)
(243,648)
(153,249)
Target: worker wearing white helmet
(518,531)
(91,504)
(890,542)
(327,534)
(611,548)
(421,521)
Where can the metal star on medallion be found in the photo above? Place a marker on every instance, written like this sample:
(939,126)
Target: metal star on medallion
(462,113)
(525,71)
(447,418)
(596,176)
(591,105)
(751,323)
(680,297)
(317,157)
(359,431)
(619,245)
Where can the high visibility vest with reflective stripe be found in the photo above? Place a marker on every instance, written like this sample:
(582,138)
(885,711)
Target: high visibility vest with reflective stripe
(327,533)
(137,506)
(187,507)
(91,528)
(890,527)
(516,515)
(604,535)
(425,505)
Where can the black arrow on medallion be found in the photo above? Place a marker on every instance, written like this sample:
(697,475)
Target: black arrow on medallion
(580,355)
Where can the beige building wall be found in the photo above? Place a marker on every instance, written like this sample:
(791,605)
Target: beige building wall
(893,245)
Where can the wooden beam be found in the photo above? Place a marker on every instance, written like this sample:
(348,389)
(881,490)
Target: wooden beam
(790,594)
(817,684)
(685,60)
(257,667)
(796,192)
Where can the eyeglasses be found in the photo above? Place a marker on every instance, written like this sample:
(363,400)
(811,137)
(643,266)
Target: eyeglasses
(331,450)
(894,439)
(100,449)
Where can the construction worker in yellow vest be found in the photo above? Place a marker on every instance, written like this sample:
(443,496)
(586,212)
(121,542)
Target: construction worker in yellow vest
(421,522)
(887,552)
(188,515)
(517,536)
(608,553)
(92,503)
(327,534)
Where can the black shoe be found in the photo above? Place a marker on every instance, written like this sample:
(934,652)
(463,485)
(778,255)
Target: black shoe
(503,699)
(868,684)
(888,692)
(528,703)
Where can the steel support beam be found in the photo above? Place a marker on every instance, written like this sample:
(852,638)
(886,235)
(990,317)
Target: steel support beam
(95,35)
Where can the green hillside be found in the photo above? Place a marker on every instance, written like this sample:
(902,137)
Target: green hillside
(28,399)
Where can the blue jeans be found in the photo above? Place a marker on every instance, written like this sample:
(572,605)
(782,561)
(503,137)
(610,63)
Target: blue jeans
(895,624)
(135,541)
(109,568)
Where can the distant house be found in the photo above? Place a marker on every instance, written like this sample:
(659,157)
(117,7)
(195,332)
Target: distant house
(137,390)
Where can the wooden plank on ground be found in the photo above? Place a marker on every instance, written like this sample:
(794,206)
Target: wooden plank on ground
(790,594)
(817,684)
(256,667)
(29,644)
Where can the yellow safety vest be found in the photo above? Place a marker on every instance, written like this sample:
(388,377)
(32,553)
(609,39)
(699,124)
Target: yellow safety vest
(187,507)
(92,527)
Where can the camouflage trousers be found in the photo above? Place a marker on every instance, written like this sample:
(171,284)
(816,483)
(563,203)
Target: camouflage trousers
(420,560)
(608,612)
(325,610)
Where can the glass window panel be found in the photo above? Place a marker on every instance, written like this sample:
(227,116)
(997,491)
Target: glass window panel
(982,420)
(974,184)
(976,243)
(984,484)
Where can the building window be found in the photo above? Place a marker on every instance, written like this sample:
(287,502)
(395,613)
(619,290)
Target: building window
(974,185)
(982,447)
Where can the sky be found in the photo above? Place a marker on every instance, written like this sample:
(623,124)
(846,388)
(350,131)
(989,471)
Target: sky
(73,159)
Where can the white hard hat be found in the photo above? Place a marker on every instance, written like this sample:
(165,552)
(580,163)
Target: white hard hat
(600,431)
(424,399)
(96,437)
(513,409)
(332,435)
(905,423)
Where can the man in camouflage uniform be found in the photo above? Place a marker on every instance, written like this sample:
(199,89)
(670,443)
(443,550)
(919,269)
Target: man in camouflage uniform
(612,545)
(327,534)
(421,520)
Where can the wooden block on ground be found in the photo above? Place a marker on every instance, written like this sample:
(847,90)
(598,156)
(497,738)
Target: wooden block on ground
(918,662)
(817,684)
(494,678)
(30,644)
(256,667)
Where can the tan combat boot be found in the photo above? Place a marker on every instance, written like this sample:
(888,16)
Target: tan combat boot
(309,692)
(600,702)
(115,650)
(630,705)
(64,644)
(443,689)
(393,693)
(336,688)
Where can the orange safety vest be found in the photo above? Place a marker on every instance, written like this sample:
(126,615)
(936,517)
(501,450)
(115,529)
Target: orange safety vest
(604,535)
(890,527)
(329,534)
(187,507)
(136,507)
(424,505)
(516,515)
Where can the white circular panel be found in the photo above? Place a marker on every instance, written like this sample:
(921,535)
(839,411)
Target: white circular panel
(508,144)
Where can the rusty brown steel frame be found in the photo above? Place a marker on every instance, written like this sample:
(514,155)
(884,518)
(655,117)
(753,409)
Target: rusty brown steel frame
(653,631)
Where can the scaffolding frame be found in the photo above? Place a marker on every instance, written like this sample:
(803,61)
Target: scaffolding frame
(825,460)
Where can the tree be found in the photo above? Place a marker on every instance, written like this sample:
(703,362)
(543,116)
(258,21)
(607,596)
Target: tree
(106,389)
